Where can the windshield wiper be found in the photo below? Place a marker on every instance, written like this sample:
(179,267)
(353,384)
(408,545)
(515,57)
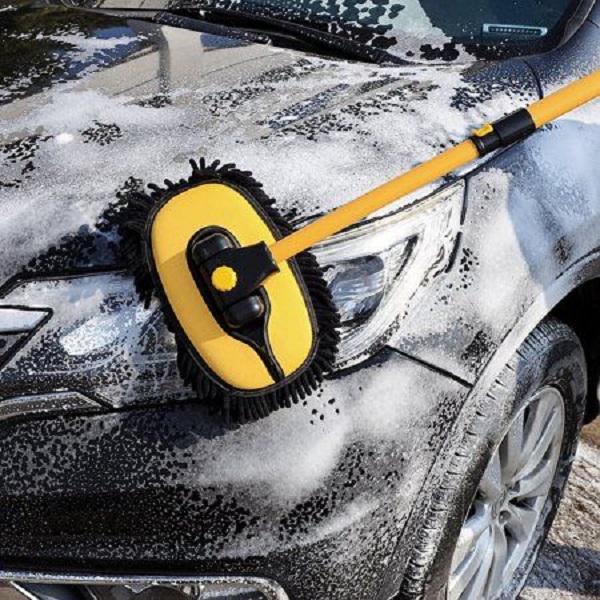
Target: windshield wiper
(285,33)
(252,28)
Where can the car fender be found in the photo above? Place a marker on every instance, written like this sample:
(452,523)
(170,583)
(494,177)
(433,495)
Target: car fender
(531,218)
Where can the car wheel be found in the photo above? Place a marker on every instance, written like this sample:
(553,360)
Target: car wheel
(492,498)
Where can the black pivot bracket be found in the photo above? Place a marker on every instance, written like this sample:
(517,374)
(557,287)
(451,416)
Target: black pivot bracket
(231,275)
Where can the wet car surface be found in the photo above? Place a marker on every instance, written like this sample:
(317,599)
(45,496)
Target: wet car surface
(148,480)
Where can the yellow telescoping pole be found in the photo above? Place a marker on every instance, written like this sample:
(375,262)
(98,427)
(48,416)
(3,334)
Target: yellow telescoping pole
(487,139)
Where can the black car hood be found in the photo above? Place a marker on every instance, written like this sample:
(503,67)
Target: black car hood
(129,103)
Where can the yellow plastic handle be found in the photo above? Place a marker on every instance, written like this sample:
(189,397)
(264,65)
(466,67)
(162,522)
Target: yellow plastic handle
(372,201)
(565,99)
(542,112)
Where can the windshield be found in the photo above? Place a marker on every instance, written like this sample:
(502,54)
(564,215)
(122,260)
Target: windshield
(425,29)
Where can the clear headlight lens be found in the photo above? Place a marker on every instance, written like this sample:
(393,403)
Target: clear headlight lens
(374,270)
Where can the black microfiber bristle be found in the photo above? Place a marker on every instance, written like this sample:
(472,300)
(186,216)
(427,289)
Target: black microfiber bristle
(234,408)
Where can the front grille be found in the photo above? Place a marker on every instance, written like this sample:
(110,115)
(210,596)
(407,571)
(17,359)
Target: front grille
(52,586)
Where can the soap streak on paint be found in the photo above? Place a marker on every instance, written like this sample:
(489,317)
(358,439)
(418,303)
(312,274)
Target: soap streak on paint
(303,181)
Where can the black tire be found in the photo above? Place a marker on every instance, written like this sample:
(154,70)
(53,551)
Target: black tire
(551,355)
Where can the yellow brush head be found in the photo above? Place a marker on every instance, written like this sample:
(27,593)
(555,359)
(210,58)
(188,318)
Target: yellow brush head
(247,370)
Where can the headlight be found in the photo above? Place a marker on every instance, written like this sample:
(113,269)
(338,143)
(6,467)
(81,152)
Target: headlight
(376,269)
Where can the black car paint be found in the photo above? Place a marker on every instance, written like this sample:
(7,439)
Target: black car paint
(123,497)
(136,488)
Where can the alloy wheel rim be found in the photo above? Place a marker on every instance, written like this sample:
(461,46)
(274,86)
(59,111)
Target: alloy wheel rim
(510,500)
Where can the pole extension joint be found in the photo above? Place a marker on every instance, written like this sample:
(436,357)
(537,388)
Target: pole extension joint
(504,132)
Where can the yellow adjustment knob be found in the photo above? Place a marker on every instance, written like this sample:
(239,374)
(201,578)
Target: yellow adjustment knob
(224,279)
(487,128)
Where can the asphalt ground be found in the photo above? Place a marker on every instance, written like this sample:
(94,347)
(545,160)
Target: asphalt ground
(569,566)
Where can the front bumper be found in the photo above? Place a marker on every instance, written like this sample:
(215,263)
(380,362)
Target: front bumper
(315,497)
